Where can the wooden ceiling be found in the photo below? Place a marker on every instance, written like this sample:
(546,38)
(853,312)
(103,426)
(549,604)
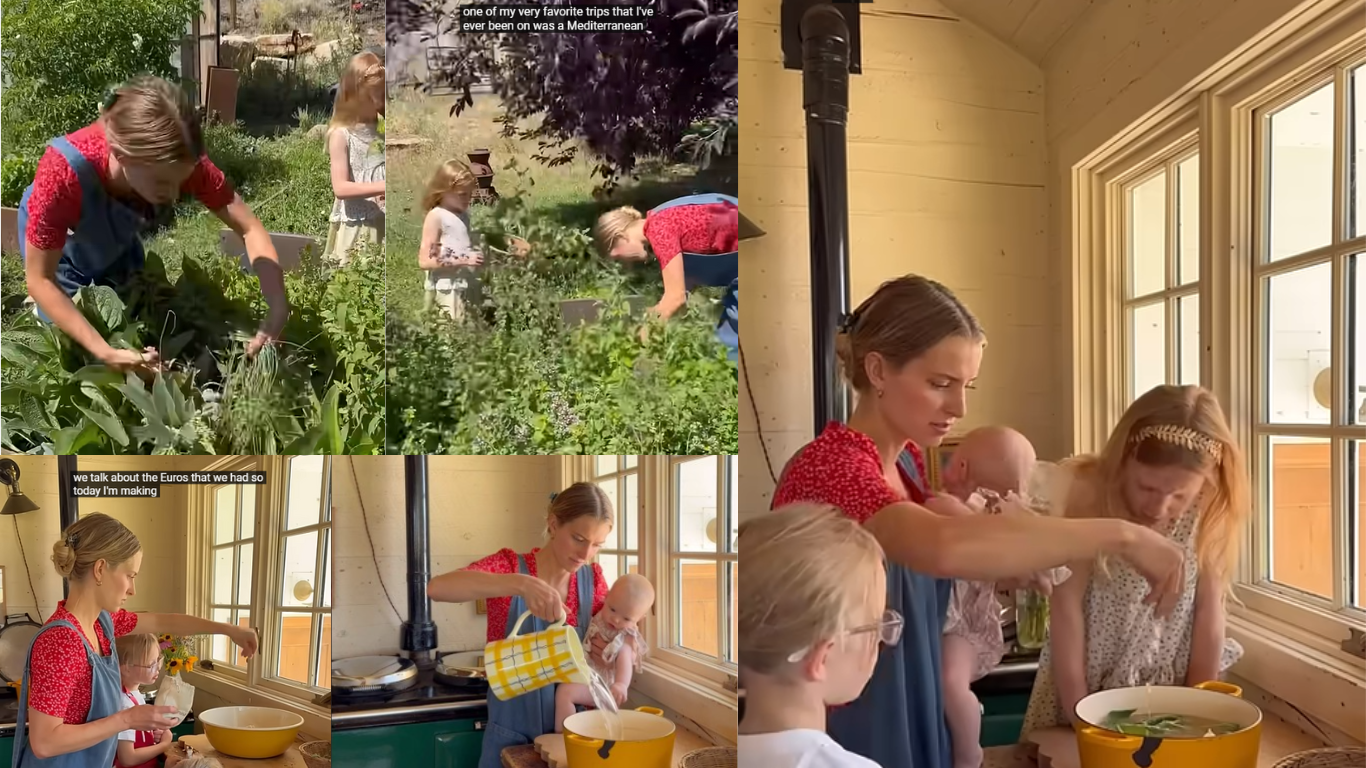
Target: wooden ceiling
(1031,27)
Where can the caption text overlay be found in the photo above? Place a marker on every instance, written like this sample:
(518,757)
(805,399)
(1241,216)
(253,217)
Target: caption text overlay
(147,485)
(554,18)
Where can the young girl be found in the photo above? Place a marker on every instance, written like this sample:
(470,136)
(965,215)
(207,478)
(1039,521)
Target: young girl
(81,218)
(449,251)
(628,602)
(1171,465)
(139,660)
(812,615)
(356,158)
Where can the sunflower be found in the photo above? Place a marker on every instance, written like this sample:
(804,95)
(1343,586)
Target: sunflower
(167,638)
(174,666)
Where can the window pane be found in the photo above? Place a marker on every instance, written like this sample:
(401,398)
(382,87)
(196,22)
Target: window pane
(1356,514)
(1301,510)
(697,611)
(734,592)
(248,525)
(1356,332)
(222,576)
(604,465)
(1188,220)
(1356,154)
(305,491)
(1148,349)
(631,461)
(296,630)
(243,620)
(630,512)
(323,674)
(244,567)
(696,526)
(1299,349)
(219,643)
(224,512)
(734,463)
(613,566)
(616,539)
(326,576)
(1188,335)
(1300,174)
(299,581)
(1148,236)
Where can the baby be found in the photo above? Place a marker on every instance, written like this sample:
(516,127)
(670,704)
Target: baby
(627,603)
(139,660)
(990,463)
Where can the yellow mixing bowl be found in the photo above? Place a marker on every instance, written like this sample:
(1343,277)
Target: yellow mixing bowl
(647,740)
(251,732)
(1102,748)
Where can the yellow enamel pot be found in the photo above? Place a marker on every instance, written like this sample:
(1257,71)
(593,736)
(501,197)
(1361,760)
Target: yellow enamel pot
(646,740)
(1099,747)
(251,732)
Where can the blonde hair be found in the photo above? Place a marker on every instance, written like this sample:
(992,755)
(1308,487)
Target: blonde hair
(1177,426)
(90,540)
(452,176)
(580,500)
(362,72)
(612,226)
(149,121)
(797,589)
(133,648)
(902,320)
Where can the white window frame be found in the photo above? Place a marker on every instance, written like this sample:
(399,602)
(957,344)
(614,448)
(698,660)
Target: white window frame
(681,680)
(210,493)
(1294,647)
(268,557)
(324,529)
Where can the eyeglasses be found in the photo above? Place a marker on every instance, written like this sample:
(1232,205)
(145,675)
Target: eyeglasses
(149,667)
(888,631)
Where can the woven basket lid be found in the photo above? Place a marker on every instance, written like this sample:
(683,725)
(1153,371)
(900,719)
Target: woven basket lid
(711,757)
(1332,757)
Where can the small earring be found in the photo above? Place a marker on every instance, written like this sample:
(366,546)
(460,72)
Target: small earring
(879,393)
(98,583)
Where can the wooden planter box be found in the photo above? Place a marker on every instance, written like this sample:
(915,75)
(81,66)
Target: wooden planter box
(9,230)
(289,247)
(575,312)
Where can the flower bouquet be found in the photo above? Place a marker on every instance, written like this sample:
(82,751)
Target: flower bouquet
(176,657)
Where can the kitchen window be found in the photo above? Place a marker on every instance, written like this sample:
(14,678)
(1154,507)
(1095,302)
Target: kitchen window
(266,564)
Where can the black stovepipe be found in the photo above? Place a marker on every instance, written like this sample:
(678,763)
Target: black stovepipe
(825,97)
(419,633)
(68,504)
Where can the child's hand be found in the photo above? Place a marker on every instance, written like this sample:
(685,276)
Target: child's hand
(474,258)
(164,738)
(619,691)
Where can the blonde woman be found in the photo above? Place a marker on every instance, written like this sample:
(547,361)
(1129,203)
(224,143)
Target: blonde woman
(81,218)
(813,614)
(448,250)
(1172,466)
(357,162)
(70,711)
(557,581)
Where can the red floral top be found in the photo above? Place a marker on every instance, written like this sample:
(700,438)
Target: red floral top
(505,561)
(842,467)
(708,228)
(60,675)
(55,205)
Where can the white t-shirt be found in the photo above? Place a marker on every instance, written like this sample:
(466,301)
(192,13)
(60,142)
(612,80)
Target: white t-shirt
(128,703)
(797,749)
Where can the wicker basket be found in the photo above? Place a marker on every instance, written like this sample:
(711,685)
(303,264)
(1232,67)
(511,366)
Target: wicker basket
(1333,757)
(711,757)
(317,754)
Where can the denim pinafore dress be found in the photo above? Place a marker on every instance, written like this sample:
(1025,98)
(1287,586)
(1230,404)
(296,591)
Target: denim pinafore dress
(105,248)
(106,692)
(715,269)
(522,719)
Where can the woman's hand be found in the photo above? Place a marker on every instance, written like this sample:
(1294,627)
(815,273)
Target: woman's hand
(245,638)
(146,717)
(131,360)
(542,600)
(1162,563)
(597,647)
(274,325)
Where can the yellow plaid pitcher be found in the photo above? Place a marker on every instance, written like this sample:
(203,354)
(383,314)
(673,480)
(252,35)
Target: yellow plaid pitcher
(518,665)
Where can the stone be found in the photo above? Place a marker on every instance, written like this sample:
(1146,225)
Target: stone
(236,51)
(270,64)
(283,45)
(324,53)
(318,131)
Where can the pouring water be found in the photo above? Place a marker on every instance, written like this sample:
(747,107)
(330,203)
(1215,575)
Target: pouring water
(606,704)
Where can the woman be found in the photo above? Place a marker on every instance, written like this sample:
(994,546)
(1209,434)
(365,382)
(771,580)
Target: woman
(1172,465)
(69,707)
(696,240)
(558,581)
(911,352)
(79,221)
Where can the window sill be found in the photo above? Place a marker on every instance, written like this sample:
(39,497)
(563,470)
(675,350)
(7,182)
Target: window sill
(1295,670)
(317,720)
(712,710)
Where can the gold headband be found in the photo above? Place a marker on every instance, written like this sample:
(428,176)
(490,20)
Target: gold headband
(1185,437)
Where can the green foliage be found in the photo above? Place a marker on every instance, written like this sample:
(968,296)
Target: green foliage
(16,173)
(516,380)
(61,56)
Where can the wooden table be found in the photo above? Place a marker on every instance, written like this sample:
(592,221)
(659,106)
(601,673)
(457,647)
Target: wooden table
(290,759)
(524,756)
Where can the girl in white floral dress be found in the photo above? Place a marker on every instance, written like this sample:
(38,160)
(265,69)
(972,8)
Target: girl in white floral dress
(356,159)
(1172,465)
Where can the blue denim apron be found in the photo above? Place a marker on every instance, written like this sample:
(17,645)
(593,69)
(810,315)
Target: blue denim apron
(105,248)
(715,269)
(898,721)
(522,719)
(106,698)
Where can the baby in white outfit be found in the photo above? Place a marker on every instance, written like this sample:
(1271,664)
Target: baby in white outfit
(618,624)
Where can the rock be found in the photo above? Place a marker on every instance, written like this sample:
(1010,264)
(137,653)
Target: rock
(236,51)
(324,53)
(318,131)
(283,45)
(270,64)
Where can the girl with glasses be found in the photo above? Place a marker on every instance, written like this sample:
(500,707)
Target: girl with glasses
(813,612)
(139,660)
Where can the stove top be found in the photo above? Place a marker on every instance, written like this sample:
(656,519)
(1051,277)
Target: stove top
(427,699)
(9,713)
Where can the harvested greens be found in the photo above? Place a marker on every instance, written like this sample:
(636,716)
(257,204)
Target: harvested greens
(1167,726)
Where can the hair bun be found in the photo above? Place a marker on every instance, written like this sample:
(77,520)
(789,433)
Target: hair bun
(64,558)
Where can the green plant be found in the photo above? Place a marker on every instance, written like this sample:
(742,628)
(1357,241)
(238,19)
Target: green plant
(16,173)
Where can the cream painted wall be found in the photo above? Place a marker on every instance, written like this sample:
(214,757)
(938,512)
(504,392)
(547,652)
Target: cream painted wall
(947,174)
(36,533)
(479,504)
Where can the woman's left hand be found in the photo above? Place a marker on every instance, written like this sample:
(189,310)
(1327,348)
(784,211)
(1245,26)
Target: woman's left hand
(245,638)
(597,646)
